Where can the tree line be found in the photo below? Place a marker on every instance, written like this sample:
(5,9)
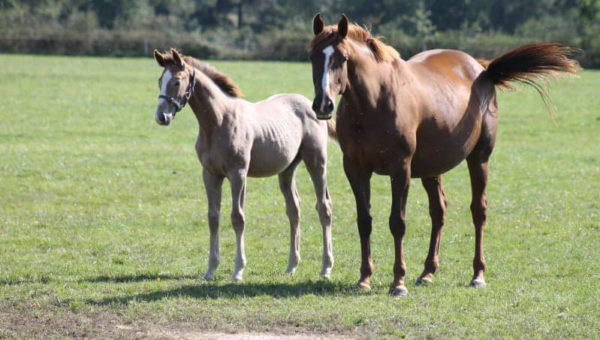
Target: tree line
(280,29)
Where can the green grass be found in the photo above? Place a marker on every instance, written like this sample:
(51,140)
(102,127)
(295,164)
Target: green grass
(103,222)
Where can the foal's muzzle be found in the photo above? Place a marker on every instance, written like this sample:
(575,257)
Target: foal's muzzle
(323,107)
(163,118)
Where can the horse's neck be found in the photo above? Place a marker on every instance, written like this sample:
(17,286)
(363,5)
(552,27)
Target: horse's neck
(208,102)
(368,80)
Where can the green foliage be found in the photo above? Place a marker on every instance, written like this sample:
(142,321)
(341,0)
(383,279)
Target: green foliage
(260,29)
(104,233)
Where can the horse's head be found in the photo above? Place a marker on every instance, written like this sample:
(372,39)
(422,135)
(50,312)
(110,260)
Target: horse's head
(176,85)
(329,58)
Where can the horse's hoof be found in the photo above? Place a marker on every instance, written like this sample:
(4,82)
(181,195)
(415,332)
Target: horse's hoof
(362,286)
(399,291)
(209,276)
(424,281)
(326,274)
(478,283)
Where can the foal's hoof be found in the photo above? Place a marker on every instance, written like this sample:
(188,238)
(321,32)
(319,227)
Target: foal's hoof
(326,274)
(291,270)
(398,291)
(478,283)
(237,277)
(362,286)
(209,276)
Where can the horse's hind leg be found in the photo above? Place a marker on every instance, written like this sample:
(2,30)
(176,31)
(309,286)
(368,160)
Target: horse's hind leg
(212,184)
(478,170)
(316,164)
(287,184)
(437,211)
(238,191)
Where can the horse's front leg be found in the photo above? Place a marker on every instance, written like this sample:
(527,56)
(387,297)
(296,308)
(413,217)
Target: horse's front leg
(400,181)
(212,184)
(238,191)
(360,182)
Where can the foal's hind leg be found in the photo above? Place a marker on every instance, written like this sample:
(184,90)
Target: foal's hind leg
(437,211)
(287,184)
(316,164)
(212,184)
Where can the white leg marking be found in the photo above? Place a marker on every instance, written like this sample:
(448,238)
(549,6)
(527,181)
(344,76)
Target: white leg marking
(328,51)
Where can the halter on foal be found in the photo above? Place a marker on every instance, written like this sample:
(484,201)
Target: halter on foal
(238,139)
(416,118)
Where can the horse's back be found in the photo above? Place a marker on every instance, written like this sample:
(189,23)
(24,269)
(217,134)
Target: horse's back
(451,113)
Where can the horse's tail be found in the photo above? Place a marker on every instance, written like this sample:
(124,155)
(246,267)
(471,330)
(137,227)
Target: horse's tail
(331,129)
(531,64)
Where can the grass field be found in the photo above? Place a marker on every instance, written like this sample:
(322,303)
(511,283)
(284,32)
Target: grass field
(103,222)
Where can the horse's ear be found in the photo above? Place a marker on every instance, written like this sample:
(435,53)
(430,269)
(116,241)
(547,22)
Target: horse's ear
(177,57)
(343,27)
(160,59)
(318,24)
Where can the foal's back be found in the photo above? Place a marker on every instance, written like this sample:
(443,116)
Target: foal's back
(281,124)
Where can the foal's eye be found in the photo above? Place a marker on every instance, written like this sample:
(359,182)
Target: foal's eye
(177,83)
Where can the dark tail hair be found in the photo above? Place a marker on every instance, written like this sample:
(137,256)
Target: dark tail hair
(531,64)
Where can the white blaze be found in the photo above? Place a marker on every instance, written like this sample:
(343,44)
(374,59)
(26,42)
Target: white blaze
(163,85)
(328,51)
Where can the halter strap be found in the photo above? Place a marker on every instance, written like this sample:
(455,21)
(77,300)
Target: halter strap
(180,104)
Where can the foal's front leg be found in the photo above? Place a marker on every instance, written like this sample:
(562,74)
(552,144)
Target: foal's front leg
(212,184)
(238,191)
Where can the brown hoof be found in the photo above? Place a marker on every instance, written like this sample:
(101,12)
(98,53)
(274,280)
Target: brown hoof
(399,291)
(362,286)
(424,281)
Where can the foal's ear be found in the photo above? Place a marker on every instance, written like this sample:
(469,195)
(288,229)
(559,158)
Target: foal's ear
(160,59)
(318,24)
(343,26)
(177,57)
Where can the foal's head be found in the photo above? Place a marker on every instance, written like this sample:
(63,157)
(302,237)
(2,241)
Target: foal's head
(176,85)
(330,51)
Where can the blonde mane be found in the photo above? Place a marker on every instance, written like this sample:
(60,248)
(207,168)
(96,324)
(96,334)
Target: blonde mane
(381,51)
(220,79)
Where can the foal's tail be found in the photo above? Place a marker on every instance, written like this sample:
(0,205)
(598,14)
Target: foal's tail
(531,64)
(331,129)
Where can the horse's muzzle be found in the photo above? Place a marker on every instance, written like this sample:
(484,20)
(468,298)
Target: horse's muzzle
(323,107)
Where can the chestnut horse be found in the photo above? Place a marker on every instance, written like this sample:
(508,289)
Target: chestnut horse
(417,118)
(237,139)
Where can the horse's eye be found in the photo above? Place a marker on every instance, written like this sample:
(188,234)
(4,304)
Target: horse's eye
(177,83)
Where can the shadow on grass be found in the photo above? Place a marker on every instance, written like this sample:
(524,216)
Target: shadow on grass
(233,290)
(137,278)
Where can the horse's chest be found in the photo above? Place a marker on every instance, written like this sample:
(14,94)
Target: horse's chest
(376,148)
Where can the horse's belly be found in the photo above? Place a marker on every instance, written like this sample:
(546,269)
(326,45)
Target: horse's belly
(435,156)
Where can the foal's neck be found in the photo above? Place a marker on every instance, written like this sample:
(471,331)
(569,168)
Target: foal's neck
(208,102)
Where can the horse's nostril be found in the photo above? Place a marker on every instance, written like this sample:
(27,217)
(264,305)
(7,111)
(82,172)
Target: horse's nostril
(329,105)
(315,106)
